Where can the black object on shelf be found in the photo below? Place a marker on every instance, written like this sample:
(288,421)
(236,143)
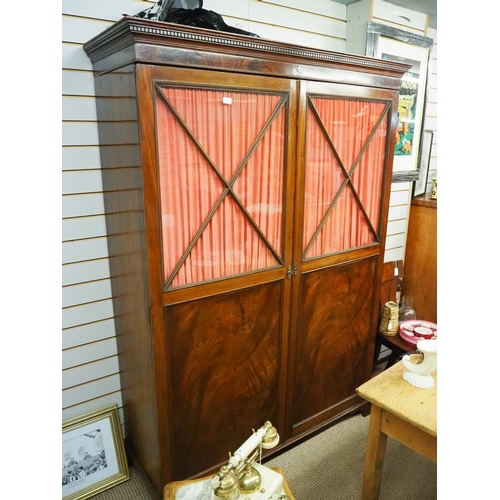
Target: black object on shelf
(189,13)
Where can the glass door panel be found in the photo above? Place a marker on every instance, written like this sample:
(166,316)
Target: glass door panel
(344,162)
(221,168)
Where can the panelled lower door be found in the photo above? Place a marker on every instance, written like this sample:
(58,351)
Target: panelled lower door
(223,182)
(339,231)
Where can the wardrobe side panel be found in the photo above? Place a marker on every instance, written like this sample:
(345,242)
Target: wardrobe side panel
(119,139)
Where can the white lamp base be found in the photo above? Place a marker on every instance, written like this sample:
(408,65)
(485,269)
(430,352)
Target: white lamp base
(419,380)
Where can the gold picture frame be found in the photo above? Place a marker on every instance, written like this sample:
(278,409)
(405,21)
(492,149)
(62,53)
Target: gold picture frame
(93,454)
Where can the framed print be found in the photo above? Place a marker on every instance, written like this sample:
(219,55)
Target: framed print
(93,454)
(420,185)
(393,44)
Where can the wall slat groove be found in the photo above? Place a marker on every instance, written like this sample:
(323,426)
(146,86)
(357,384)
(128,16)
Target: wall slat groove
(87,353)
(89,333)
(94,403)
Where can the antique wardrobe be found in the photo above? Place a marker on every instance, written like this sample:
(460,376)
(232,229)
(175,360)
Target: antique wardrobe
(246,187)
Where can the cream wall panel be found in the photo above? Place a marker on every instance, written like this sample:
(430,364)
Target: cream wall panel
(392,254)
(433,165)
(325,8)
(89,181)
(86,334)
(79,109)
(88,353)
(401,186)
(235,9)
(85,133)
(357,15)
(86,313)
(432,96)
(79,134)
(433,80)
(86,292)
(83,272)
(433,33)
(82,204)
(80,29)
(84,181)
(395,241)
(431,110)
(398,212)
(96,388)
(85,227)
(431,123)
(91,371)
(397,221)
(93,404)
(80,250)
(111,10)
(81,158)
(74,57)
(77,83)
(398,198)
(297,20)
(396,226)
(292,36)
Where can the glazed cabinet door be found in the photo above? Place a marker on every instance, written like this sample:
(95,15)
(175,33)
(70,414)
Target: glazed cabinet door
(218,163)
(343,191)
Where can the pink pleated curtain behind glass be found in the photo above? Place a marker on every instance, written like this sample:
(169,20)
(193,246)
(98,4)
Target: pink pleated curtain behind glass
(205,232)
(349,124)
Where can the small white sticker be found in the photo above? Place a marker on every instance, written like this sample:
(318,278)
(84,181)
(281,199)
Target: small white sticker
(227,100)
(396,271)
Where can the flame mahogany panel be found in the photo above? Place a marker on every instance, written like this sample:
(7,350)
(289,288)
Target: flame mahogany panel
(223,360)
(333,335)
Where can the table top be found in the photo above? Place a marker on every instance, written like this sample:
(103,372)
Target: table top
(392,393)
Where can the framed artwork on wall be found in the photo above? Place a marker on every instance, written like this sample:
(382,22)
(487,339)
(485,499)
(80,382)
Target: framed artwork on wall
(93,454)
(393,44)
(420,185)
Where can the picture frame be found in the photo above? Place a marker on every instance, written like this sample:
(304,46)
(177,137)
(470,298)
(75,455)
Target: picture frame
(420,185)
(389,43)
(93,454)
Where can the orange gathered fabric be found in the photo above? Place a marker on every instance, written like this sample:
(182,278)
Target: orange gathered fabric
(226,125)
(349,124)
(222,180)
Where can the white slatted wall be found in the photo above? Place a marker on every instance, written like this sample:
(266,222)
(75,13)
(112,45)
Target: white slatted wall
(89,353)
(90,377)
(431,108)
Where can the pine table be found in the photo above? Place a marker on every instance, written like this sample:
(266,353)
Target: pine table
(401,411)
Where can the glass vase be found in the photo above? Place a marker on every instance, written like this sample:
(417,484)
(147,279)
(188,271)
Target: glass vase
(406,311)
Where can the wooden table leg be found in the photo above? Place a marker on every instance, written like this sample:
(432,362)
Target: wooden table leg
(375,453)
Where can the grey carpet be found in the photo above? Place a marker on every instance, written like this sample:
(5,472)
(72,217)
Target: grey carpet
(329,466)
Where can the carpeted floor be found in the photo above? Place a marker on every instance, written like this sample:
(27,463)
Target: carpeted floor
(329,466)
